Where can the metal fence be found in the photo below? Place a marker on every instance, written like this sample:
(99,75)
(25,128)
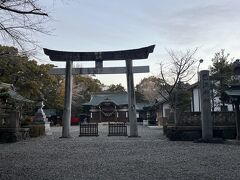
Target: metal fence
(88,129)
(117,129)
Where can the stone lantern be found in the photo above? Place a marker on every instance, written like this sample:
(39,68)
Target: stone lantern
(40,117)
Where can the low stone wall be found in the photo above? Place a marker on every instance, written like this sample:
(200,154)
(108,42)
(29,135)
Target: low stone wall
(189,126)
(194,119)
(224,118)
(190,133)
(8,135)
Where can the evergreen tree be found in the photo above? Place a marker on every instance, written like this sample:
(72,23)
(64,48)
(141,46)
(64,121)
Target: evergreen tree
(30,79)
(221,73)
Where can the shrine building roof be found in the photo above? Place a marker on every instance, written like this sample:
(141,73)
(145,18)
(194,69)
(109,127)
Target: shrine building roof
(116,98)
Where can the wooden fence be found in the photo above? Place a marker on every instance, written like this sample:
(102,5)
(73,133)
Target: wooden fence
(88,129)
(117,129)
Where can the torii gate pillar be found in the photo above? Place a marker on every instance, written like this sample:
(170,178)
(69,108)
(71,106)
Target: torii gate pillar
(131,100)
(67,100)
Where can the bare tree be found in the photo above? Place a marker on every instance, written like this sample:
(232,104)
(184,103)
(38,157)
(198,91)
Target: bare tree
(175,76)
(20,19)
(180,69)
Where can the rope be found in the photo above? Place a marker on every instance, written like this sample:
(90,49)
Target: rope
(107,114)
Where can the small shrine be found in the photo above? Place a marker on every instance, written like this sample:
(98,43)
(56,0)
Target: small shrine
(108,107)
(11,104)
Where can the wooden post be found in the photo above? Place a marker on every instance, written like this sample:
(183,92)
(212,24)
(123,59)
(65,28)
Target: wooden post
(67,100)
(237,117)
(131,100)
(207,126)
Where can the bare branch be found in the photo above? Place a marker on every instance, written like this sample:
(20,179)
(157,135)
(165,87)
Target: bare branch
(35,11)
(180,69)
(19,20)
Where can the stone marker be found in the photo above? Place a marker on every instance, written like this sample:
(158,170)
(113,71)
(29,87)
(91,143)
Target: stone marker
(206,119)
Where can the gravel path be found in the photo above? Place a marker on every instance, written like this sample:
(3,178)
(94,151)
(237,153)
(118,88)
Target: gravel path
(151,156)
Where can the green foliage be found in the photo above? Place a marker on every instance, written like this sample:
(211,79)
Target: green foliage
(222,73)
(139,96)
(116,88)
(4,94)
(30,79)
(221,66)
(180,98)
(26,121)
(36,130)
(83,86)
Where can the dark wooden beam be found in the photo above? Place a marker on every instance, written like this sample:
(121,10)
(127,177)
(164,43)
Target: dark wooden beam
(134,54)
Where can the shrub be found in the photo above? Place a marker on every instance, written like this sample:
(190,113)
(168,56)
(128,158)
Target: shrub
(36,130)
(27,121)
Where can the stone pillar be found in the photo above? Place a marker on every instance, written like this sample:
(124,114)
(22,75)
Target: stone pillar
(206,119)
(131,100)
(67,100)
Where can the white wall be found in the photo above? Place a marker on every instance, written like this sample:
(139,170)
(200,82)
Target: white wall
(195,104)
(165,106)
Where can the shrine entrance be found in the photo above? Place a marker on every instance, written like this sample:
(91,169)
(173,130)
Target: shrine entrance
(108,107)
(99,57)
(108,112)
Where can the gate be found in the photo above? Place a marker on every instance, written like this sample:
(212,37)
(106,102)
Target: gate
(127,55)
(88,129)
(117,129)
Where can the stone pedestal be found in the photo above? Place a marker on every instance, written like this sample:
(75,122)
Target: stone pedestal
(12,131)
(47,128)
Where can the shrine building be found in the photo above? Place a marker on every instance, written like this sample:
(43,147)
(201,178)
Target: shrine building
(113,107)
(108,107)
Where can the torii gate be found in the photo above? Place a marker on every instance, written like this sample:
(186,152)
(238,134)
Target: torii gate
(99,57)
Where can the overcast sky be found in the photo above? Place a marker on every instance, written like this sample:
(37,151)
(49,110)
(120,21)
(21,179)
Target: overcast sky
(98,25)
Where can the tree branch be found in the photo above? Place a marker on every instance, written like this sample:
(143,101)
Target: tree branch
(34,11)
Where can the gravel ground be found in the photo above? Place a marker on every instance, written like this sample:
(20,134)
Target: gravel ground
(150,156)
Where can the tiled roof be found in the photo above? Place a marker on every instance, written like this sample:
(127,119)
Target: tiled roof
(13,94)
(233,91)
(116,98)
(140,106)
(194,85)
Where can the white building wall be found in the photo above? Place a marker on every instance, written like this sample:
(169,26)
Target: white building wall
(195,102)
(165,107)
